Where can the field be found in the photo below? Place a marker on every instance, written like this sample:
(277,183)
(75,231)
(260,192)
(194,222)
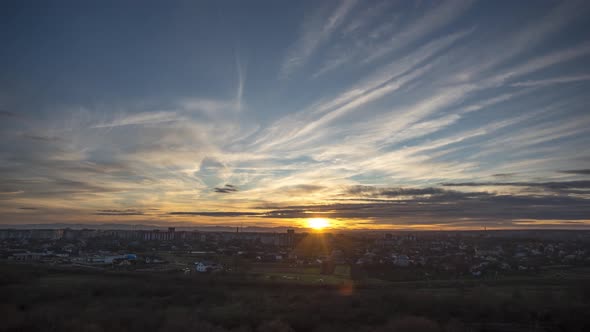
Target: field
(42,298)
(300,274)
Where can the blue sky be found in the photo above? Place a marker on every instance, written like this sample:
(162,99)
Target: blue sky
(389,114)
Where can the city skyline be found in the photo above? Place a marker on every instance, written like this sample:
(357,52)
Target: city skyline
(343,114)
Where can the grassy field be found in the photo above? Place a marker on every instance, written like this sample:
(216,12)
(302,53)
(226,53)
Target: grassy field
(41,298)
(300,274)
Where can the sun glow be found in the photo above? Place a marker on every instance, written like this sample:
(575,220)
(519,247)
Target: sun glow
(318,223)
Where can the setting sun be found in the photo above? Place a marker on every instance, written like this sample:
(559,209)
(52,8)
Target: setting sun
(318,223)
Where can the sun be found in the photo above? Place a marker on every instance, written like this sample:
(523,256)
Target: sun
(318,223)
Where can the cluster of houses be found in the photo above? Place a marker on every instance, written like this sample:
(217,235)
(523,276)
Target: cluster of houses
(445,253)
(49,256)
(478,254)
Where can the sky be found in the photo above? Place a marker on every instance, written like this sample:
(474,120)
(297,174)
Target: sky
(371,114)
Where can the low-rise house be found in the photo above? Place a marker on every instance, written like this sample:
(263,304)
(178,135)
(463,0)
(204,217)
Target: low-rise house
(402,261)
(110,259)
(28,256)
(154,260)
(207,266)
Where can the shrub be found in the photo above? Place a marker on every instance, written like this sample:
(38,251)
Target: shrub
(410,324)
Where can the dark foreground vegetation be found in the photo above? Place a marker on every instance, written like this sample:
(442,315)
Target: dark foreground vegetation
(38,298)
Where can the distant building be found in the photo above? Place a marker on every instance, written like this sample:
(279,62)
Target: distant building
(290,237)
